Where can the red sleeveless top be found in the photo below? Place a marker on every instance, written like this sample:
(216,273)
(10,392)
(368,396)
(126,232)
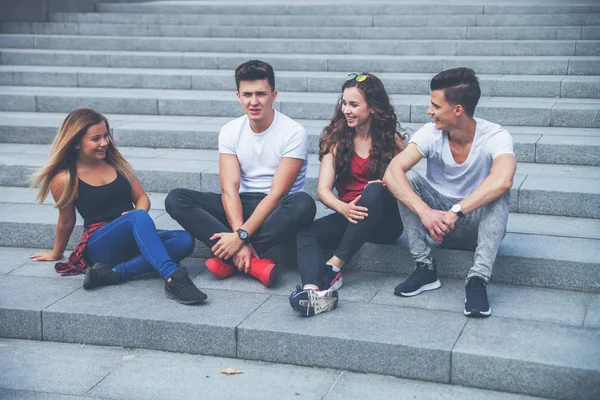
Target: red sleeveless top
(352,185)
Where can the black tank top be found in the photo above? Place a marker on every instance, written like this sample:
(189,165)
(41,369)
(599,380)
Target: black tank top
(104,203)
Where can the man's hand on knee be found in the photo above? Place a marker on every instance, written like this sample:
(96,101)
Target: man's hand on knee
(228,244)
(450,219)
(436,223)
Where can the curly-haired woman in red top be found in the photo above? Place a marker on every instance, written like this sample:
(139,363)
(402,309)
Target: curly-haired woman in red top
(355,150)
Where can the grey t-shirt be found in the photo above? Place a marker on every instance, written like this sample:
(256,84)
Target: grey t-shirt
(459,180)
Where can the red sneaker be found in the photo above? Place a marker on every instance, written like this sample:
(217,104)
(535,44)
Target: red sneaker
(219,268)
(263,270)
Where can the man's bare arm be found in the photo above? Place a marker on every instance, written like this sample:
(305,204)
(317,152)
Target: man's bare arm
(283,180)
(494,185)
(396,181)
(230,177)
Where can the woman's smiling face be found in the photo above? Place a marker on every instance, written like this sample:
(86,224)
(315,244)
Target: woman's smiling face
(355,107)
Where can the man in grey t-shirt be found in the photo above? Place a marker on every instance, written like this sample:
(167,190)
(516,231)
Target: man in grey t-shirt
(463,203)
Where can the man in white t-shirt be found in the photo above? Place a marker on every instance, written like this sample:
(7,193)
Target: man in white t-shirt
(463,203)
(262,167)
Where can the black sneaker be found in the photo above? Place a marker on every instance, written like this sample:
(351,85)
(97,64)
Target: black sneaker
(423,278)
(100,274)
(331,280)
(313,302)
(476,301)
(180,288)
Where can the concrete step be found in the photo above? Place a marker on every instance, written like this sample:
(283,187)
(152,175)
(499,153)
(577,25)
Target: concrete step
(545,342)
(518,223)
(167,30)
(434,19)
(537,188)
(516,65)
(574,146)
(92,370)
(296,81)
(577,113)
(557,252)
(314,46)
(334,9)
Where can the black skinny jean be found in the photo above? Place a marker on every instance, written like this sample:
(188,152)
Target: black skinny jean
(202,214)
(383,225)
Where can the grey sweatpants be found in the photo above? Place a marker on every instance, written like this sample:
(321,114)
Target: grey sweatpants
(481,230)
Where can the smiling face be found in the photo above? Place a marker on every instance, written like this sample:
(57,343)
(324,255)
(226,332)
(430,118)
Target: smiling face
(355,108)
(94,143)
(444,114)
(256,99)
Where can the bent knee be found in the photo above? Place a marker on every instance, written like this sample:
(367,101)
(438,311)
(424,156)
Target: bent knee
(304,205)
(187,242)
(373,190)
(174,197)
(138,213)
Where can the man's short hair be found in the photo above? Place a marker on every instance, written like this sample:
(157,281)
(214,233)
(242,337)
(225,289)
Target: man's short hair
(254,70)
(460,86)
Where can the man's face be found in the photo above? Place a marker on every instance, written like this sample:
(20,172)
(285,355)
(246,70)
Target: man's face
(444,114)
(257,98)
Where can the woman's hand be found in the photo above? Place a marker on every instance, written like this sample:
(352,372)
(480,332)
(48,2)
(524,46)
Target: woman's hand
(354,213)
(47,256)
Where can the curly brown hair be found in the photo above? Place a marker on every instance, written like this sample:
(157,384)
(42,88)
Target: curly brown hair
(338,137)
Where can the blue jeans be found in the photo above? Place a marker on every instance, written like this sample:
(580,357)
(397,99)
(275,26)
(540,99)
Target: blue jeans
(132,246)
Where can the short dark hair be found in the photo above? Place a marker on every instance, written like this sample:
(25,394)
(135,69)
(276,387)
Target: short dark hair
(254,70)
(460,85)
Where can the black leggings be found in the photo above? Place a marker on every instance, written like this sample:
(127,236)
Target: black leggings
(383,225)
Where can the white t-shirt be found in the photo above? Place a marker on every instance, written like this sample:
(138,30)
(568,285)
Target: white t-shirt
(259,154)
(459,180)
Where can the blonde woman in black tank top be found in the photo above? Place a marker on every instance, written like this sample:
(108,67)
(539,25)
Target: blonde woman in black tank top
(87,172)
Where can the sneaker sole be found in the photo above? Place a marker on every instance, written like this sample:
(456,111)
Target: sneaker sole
(477,313)
(88,283)
(430,286)
(304,304)
(169,295)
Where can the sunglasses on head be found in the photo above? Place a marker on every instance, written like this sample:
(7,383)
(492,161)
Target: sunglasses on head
(359,78)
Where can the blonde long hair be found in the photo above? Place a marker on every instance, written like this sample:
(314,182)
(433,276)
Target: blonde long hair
(63,156)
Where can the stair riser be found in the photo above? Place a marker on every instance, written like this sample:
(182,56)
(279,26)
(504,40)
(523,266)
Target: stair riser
(307,46)
(497,65)
(586,116)
(405,33)
(505,87)
(366,21)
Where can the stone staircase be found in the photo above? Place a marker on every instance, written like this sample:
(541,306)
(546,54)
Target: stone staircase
(163,74)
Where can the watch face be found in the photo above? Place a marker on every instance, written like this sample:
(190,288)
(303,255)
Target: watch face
(456,208)
(243,234)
